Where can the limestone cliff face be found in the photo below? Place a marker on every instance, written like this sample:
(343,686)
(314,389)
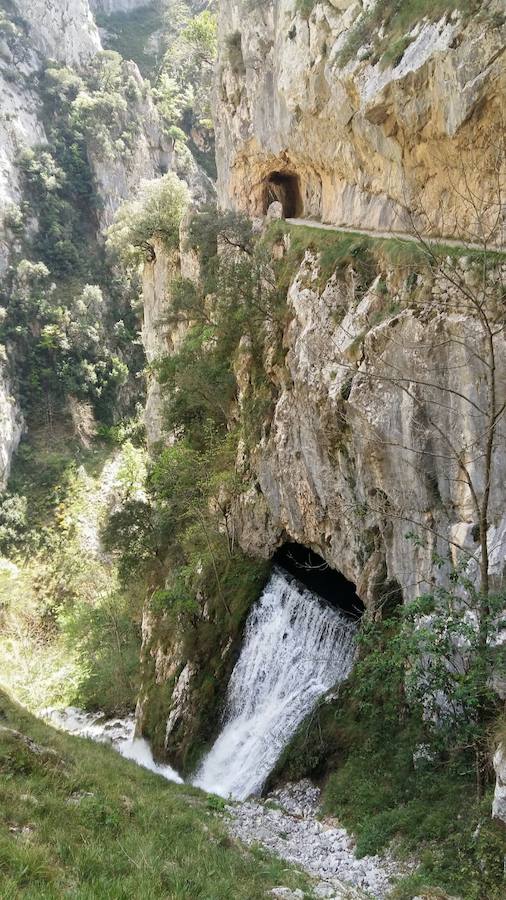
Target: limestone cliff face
(66,32)
(108,7)
(356,455)
(157,337)
(499,804)
(59,29)
(149,154)
(11,419)
(34,32)
(364,139)
(63,30)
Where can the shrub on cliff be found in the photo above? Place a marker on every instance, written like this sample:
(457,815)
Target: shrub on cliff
(155,212)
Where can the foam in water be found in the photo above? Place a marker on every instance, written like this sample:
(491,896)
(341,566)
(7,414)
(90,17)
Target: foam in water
(119,733)
(296,648)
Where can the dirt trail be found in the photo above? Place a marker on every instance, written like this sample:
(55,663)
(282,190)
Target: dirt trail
(399,235)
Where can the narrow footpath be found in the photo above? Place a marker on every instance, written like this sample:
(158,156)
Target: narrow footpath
(397,235)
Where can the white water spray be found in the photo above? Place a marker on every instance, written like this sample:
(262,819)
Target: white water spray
(118,733)
(296,648)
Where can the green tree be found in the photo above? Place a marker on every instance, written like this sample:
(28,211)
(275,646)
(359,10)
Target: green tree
(156,212)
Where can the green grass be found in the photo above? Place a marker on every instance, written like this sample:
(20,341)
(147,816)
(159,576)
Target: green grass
(338,249)
(429,813)
(77,820)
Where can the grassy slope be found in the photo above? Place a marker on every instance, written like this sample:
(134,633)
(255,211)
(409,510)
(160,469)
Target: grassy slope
(78,820)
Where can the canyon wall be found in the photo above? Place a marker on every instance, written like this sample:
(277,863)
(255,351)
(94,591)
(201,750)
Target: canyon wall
(109,7)
(11,419)
(356,454)
(34,33)
(374,385)
(372,138)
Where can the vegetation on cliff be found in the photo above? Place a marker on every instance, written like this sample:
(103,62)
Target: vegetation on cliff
(70,317)
(404,750)
(387,27)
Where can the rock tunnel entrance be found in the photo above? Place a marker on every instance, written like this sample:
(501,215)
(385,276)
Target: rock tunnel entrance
(285,188)
(310,569)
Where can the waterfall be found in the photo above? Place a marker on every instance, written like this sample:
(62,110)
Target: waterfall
(296,648)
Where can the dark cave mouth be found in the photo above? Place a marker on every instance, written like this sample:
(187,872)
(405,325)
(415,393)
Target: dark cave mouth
(284,187)
(314,573)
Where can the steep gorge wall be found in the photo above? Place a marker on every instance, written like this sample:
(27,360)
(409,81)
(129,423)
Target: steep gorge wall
(34,33)
(366,140)
(109,7)
(352,456)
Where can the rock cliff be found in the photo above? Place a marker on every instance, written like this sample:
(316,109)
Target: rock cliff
(499,805)
(109,7)
(355,456)
(11,420)
(362,127)
(379,381)
(32,35)
(64,31)
(372,383)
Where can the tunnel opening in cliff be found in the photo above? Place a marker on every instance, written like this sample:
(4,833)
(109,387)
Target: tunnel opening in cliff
(285,188)
(311,570)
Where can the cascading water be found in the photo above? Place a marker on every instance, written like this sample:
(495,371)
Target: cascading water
(296,648)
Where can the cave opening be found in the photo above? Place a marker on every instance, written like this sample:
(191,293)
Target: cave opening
(285,188)
(311,570)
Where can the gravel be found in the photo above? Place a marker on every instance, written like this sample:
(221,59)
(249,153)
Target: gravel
(286,824)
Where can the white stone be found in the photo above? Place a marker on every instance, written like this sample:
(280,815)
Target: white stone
(324,890)
(275,211)
(11,420)
(287,893)
(499,804)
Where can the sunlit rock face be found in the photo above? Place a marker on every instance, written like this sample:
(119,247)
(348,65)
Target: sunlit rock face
(499,804)
(349,464)
(11,420)
(63,30)
(365,140)
(37,30)
(346,464)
